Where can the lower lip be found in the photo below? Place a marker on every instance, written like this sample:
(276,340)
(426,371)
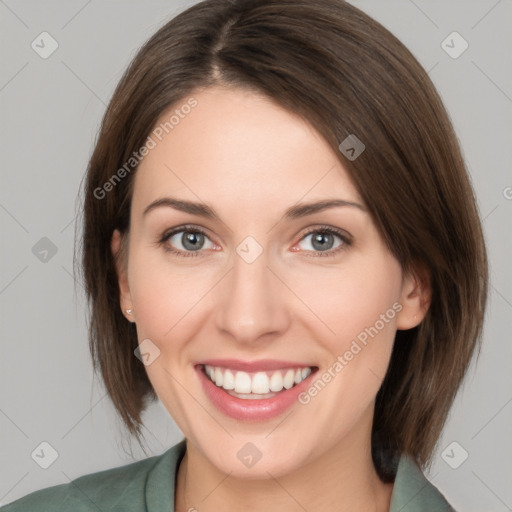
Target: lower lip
(251,410)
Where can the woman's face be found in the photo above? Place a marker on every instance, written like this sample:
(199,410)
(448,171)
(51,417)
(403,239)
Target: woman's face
(262,284)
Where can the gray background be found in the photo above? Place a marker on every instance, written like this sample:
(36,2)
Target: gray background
(50,112)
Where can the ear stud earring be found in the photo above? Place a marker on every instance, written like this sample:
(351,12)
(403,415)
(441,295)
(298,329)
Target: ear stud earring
(129,311)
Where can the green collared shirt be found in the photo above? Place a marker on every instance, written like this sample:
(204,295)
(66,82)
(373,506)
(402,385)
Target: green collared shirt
(148,486)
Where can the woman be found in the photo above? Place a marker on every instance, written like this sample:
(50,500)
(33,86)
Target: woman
(281,244)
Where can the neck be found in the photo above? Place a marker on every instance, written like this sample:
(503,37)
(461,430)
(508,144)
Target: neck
(340,480)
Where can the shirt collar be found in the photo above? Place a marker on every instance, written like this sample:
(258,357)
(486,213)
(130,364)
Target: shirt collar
(412,492)
(161,480)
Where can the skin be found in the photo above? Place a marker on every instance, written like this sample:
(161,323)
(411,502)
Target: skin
(250,160)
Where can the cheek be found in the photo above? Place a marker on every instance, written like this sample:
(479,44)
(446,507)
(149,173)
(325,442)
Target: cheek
(169,300)
(350,300)
(360,308)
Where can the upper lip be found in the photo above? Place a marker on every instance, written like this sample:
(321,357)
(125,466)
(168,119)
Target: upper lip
(254,366)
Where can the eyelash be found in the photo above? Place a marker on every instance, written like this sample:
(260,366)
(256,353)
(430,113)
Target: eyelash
(347,242)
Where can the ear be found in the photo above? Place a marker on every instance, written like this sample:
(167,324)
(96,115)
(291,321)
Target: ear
(415,298)
(125,299)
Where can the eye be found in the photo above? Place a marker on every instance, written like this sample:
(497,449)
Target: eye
(189,241)
(186,241)
(325,241)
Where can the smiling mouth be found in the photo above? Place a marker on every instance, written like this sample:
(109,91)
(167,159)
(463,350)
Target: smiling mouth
(256,385)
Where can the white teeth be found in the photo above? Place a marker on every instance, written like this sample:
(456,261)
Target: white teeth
(305,373)
(251,396)
(276,382)
(218,377)
(242,382)
(256,385)
(260,383)
(289,379)
(229,380)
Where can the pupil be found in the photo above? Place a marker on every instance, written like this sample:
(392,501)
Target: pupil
(320,239)
(190,240)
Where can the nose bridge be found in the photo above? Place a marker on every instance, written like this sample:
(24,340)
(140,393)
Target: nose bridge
(252,303)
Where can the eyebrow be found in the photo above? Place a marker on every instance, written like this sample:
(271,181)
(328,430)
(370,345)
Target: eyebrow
(294,212)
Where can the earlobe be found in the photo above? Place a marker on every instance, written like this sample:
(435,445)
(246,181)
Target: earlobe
(415,299)
(122,275)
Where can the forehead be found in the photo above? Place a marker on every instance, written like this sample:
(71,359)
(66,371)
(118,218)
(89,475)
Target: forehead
(240,148)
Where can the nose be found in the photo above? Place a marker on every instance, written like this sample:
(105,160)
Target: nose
(252,302)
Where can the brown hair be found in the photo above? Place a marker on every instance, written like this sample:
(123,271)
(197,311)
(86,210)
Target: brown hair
(345,74)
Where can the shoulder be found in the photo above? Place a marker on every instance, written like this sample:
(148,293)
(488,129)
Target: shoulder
(121,488)
(412,492)
(95,491)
